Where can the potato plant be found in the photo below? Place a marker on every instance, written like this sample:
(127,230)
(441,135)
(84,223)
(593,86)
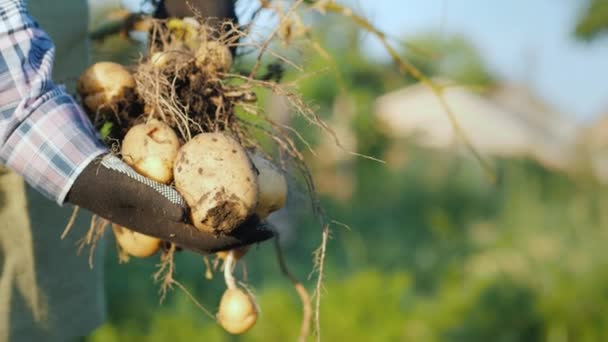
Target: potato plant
(174,117)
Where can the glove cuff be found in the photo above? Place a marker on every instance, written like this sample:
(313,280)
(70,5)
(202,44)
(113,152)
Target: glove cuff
(111,162)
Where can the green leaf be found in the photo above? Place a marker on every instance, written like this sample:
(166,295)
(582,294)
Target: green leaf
(106,129)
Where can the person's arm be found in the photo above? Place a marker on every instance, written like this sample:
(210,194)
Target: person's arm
(44,134)
(46,138)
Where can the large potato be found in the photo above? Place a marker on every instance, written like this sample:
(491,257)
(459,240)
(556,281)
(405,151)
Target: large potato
(217,180)
(272,186)
(104,83)
(151,148)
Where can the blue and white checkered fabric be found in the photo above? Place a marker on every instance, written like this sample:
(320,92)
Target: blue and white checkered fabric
(44,134)
(113,163)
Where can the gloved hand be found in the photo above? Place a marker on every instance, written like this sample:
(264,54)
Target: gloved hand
(113,190)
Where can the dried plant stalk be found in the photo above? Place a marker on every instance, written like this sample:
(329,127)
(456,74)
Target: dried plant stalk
(300,289)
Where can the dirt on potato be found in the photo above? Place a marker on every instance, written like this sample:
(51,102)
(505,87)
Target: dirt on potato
(226,211)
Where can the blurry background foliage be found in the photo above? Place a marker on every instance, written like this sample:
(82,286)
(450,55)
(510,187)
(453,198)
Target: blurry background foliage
(436,252)
(594,20)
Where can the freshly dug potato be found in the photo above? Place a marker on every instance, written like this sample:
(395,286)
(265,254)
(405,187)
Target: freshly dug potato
(217,180)
(213,56)
(134,243)
(151,148)
(161,59)
(272,186)
(237,312)
(103,83)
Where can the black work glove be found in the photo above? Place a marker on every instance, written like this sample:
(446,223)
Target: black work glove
(113,190)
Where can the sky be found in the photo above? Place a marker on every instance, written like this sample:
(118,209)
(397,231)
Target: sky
(521,41)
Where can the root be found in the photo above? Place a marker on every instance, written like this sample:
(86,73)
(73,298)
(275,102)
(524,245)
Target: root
(300,289)
(70,223)
(123,256)
(192,299)
(165,271)
(244,271)
(208,268)
(96,230)
(320,268)
(228,269)
(264,46)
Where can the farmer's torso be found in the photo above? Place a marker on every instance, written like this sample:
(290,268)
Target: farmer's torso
(38,270)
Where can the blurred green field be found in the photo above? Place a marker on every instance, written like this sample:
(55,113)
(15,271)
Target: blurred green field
(434,254)
(436,250)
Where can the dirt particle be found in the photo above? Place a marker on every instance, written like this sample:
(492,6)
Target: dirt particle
(219,196)
(202,199)
(214,139)
(151,132)
(200,170)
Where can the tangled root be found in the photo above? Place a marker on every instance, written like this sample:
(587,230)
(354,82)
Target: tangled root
(182,81)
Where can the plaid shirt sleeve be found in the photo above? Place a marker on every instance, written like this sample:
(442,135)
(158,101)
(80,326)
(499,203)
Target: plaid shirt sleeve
(44,134)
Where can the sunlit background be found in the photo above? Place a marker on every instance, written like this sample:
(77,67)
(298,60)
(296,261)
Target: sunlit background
(441,246)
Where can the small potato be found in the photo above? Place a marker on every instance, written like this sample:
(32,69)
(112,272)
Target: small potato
(162,59)
(134,243)
(213,56)
(272,186)
(237,312)
(104,83)
(151,148)
(217,180)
